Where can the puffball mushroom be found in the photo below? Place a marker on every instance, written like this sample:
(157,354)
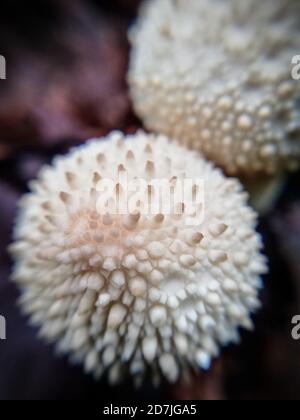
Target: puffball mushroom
(141,290)
(216,75)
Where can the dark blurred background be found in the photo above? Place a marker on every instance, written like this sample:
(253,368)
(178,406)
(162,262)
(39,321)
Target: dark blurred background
(66,82)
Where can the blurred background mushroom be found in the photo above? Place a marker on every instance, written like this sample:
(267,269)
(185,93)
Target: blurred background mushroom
(217,76)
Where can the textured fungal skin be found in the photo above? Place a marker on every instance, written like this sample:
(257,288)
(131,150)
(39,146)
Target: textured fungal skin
(139,291)
(216,75)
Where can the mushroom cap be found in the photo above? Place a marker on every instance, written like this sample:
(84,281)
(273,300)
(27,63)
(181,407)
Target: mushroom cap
(216,75)
(150,288)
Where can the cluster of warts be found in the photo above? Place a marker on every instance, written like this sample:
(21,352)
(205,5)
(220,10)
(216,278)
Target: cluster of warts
(136,292)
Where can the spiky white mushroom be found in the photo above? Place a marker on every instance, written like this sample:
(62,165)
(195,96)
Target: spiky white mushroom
(131,291)
(216,75)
